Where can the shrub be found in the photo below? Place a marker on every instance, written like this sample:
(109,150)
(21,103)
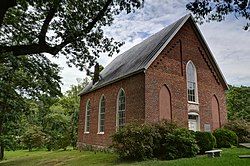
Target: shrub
(162,129)
(162,141)
(33,137)
(241,128)
(180,143)
(56,140)
(205,141)
(134,142)
(225,138)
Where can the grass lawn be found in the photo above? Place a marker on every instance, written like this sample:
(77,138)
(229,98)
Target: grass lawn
(86,158)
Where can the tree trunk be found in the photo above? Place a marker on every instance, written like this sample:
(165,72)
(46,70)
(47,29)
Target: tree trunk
(1,141)
(1,131)
(1,152)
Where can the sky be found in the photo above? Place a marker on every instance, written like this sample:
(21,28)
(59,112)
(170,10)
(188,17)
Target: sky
(229,43)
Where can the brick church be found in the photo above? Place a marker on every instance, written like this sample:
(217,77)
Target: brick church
(171,75)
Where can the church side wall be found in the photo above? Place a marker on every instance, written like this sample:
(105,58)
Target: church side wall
(134,88)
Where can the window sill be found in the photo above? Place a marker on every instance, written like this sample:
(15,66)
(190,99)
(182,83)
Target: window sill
(86,132)
(100,133)
(191,102)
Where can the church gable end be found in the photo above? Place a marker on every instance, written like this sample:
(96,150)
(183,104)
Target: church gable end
(170,68)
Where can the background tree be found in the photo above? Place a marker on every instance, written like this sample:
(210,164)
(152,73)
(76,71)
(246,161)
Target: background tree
(238,103)
(57,128)
(69,27)
(69,104)
(21,79)
(216,10)
(33,137)
(51,122)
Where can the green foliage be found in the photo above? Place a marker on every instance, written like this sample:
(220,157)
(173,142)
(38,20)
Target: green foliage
(205,141)
(162,129)
(218,10)
(23,79)
(134,142)
(57,130)
(180,144)
(241,128)
(76,28)
(162,141)
(33,137)
(225,138)
(68,105)
(238,103)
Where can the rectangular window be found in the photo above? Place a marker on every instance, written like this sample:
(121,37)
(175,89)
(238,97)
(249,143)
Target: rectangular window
(191,91)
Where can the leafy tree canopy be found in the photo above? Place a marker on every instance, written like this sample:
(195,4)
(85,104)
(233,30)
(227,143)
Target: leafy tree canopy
(238,103)
(21,79)
(69,27)
(216,10)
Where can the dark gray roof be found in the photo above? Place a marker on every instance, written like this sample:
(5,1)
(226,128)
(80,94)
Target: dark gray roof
(137,58)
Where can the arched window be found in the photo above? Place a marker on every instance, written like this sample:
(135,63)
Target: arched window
(87,117)
(121,106)
(191,82)
(101,118)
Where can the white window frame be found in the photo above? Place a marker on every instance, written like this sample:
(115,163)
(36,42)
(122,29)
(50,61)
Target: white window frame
(117,111)
(87,128)
(99,115)
(196,85)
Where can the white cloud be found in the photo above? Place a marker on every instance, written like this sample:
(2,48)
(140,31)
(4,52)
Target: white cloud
(227,40)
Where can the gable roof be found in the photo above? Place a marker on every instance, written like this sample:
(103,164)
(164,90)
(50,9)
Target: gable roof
(139,57)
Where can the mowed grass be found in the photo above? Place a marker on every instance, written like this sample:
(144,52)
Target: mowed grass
(86,158)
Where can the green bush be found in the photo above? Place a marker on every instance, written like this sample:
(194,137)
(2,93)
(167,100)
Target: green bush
(180,143)
(162,141)
(56,140)
(134,142)
(225,138)
(33,137)
(205,141)
(172,142)
(161,130)
(241,128)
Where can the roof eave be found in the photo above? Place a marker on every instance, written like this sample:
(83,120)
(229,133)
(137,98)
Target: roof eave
(113,81)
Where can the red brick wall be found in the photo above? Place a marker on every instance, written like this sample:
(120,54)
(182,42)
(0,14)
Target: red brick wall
(134,90)
(169,70)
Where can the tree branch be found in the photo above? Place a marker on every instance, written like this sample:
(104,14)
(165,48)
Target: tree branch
(98,16)
(45,25)
(42,46)
(27,49)
(90,26)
